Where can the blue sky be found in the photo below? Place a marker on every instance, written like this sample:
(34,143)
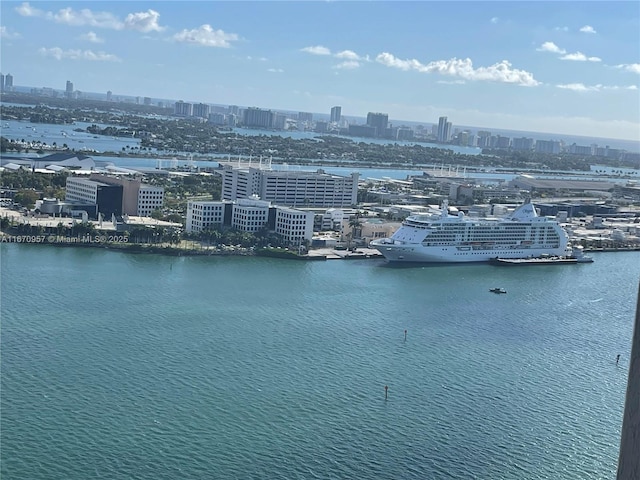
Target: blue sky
(558,67)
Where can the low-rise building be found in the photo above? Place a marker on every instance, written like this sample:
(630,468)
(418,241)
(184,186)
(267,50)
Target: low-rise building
(108,198)
(294,226)
(251,215)
(150,198)
(332,219)
(205,214)
(138,199)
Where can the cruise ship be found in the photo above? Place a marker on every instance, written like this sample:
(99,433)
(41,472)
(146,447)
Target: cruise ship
(442,237)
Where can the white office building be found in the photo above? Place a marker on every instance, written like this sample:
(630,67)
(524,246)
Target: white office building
(294,226)
(82,190)
(138,199)
(250,215)
(150,198)
(240,182)
(290,188)
(203,215)
(332,219)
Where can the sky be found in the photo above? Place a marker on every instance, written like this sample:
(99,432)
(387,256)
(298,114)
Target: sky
(559,67)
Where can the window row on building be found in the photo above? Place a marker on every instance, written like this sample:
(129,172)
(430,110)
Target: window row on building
(251,215)
(290,188)
(115,196)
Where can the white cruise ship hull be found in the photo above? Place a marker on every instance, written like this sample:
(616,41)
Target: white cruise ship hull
(417,253)
(445,238)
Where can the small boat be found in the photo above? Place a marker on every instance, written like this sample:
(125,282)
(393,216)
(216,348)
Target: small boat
(497,290)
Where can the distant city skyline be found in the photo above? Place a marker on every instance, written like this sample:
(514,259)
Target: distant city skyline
(560,67)
(629,145)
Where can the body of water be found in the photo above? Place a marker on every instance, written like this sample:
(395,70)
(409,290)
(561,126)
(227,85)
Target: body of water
(60,134)
(148,367)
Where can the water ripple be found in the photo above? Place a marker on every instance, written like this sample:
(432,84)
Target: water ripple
(257,368)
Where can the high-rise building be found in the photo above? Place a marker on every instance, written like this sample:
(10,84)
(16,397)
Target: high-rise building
(280,121)
(68,91)
(183,109)
(305,117)
(379,121)
(147,100)
(109,95)
(444,129)
(8,82)
(463,138)
(201,110)
(1,82)
(256,117)
(484,139)
(522,144)
(321,127)
(503,142)
(336,114)
(547,146)
(217,118)
(404,133)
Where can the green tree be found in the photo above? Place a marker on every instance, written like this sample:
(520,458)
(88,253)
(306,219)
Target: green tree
(157,214)
(26,198)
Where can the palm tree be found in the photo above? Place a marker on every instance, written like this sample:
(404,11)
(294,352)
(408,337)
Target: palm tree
(356,226)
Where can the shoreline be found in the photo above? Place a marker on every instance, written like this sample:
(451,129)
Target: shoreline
(178,251)
(321,254)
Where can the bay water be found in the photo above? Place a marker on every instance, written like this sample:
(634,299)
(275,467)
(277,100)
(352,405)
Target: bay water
(131,366)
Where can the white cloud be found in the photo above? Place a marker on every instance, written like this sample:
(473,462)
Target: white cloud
(206,36)
(347,65)
(5,33)
(347,55)
(390,61)
(143,21)
(577,56)
(587,29)
(630,67)
(351,59)
(494,20)
(581,87)
(59,54)
(551,47)
(561,29)
(451,82)
(27,10)
(257,59)
(501,72)
(140,21)
(275,70)
(316,50)
(91,37)
(580,57)
(85,17)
